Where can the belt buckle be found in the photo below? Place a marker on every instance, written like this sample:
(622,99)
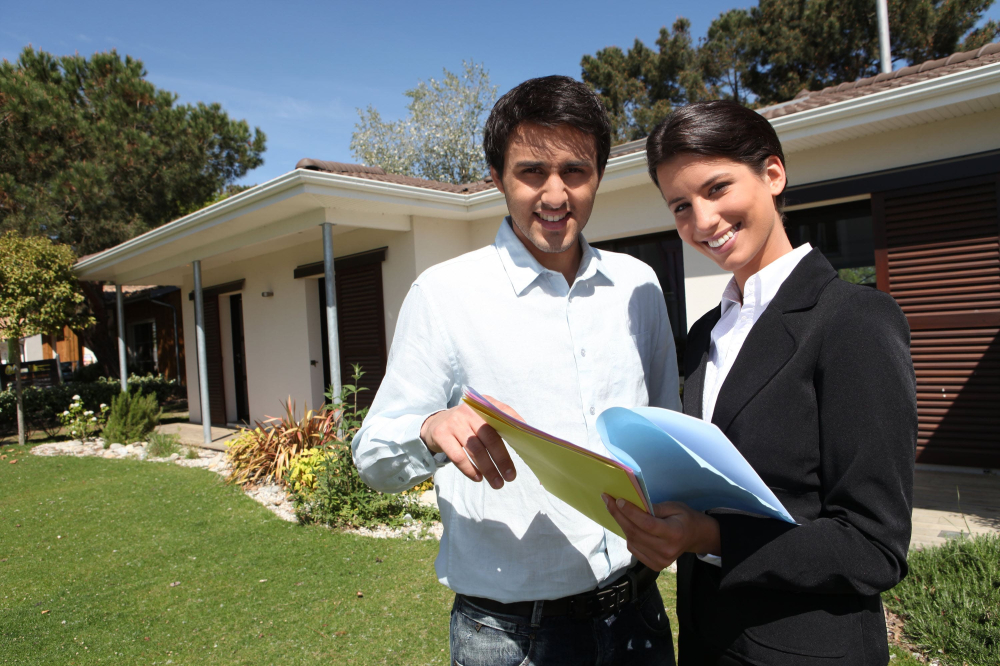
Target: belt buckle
(612,599)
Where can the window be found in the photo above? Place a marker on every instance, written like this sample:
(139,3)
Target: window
(843,233)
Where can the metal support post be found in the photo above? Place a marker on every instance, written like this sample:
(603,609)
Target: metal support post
(885,51)
(199,323)
(122,351)
(332,339)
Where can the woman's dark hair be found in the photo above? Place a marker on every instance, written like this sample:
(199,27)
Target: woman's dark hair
(719,128)
(548,101)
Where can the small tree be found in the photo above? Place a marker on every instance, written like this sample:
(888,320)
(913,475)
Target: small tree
(38,294)
(442,137)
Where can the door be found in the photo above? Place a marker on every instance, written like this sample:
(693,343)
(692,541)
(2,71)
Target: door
(938,254)
(239,358)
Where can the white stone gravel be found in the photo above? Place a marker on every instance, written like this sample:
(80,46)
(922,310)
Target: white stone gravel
(271,495)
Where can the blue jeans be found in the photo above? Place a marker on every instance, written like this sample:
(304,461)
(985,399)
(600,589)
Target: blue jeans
(639,635)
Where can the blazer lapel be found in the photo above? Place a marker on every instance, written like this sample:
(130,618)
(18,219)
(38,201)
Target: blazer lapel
(766,350)
(771,343)
(695,360)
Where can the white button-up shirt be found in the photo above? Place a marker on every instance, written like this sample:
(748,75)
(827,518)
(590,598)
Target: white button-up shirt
(496,320)
(739,314)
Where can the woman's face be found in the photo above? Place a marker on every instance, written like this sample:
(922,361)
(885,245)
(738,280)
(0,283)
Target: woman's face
(726,210)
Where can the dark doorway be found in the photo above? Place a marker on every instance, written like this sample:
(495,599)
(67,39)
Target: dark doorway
(239,358)
(663,252)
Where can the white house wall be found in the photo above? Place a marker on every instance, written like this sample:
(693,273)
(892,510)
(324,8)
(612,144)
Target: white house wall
(282,333)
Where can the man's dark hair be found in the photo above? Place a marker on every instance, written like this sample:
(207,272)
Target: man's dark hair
(547,101)
(719,128)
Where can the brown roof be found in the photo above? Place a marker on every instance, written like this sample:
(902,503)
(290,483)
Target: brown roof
(804,101)
(906,76)
(376,173)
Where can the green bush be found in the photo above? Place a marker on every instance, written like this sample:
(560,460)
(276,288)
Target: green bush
(950,600)
(131,418)
(42,406)
(326,488)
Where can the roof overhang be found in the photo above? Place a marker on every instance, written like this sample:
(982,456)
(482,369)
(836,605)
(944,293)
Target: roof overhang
(289,209)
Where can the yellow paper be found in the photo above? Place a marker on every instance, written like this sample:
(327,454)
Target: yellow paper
(573,476)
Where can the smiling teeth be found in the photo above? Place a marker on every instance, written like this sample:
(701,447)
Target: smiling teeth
(722,240)
(552,218)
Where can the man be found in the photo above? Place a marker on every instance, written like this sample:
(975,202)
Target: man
(562,332)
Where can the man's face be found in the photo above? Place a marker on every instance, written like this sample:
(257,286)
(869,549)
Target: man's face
(550,180)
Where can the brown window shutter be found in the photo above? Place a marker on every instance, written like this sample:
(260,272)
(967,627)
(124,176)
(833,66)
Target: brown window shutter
(213,360)
(361,326)
(938,255)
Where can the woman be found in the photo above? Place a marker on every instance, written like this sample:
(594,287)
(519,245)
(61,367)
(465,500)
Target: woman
(811,378)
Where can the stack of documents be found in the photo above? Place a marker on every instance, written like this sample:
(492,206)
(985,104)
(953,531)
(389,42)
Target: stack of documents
(658,455)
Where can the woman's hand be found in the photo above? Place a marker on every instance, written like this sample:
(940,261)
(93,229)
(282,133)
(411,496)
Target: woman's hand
(676,529)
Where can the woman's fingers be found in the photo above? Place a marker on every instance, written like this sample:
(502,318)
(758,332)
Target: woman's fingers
(651,539)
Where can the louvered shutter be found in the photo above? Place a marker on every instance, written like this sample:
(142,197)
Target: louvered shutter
(937,254)
(213,360)
(360,322)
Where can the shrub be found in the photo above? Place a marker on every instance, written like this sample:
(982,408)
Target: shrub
(81,423)
(162,445)
(950,600)
(327,489)
(43,406)
(132,417)
(266,452)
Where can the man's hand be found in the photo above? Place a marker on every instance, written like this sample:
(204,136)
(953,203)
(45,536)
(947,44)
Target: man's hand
(657,541)
(463,435)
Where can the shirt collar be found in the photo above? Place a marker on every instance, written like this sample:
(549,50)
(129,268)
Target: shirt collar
(766,282)
(523,269)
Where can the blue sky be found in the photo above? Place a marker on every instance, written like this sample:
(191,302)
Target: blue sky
(299,69)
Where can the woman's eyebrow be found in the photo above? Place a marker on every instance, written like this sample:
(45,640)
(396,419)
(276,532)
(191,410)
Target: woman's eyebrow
(708,183)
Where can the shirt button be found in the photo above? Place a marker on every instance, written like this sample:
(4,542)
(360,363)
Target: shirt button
(583,352)
(592,411)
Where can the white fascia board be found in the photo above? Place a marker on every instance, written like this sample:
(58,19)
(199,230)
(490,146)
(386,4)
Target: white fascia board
(913,98)
(256,198)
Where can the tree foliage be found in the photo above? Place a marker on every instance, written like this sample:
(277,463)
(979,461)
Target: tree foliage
(38,294)
(770,52)
(38,291)
(441,138)
(640,87)
(92,154)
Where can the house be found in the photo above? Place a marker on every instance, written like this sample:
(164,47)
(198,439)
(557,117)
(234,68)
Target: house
(154,333)
(894,177)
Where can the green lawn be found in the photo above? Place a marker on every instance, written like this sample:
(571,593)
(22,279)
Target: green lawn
(89,549)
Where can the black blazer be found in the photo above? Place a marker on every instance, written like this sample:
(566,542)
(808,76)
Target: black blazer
(822,402)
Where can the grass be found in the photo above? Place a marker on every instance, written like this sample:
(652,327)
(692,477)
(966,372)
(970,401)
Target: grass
(90,548)
(163,445)
(950,600)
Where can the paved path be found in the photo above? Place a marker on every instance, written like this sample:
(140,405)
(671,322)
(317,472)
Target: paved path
(947,504)
(191,434)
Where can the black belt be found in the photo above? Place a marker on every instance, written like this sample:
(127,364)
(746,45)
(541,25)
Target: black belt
(595,603)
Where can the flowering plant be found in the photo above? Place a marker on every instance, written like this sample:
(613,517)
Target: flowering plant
(82,423)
